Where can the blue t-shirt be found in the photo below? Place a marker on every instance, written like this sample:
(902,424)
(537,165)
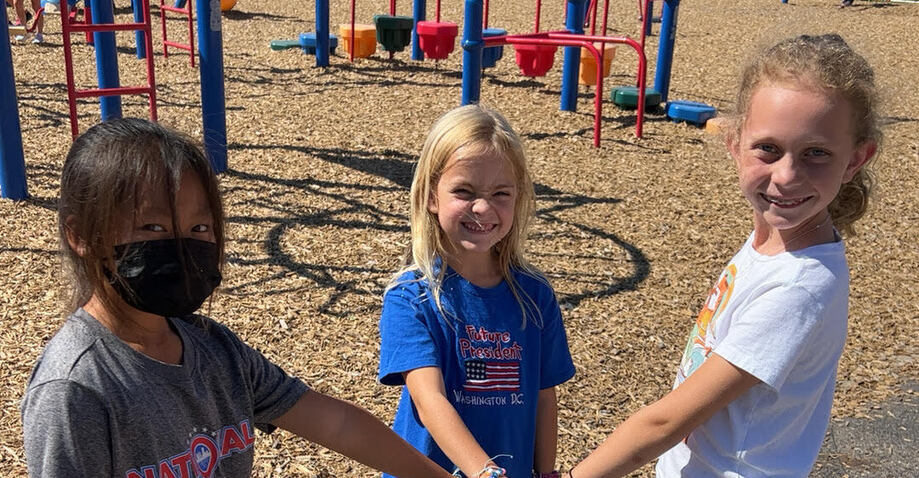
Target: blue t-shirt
(493,364)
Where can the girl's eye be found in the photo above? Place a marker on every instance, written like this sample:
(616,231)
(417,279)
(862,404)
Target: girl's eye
(817,152)
(201,228)
(766,148)
(463,193)
(502,194)
(153,228)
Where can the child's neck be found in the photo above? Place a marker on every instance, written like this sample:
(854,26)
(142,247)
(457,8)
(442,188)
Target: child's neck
(480,271)
(770,241)
(146,333)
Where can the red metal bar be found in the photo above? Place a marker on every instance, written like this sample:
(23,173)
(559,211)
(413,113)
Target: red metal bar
(563,38)
(536,23)
(166,43)
(437,11)
(108,27)
(645,18)
(605,16)
(351,45)
(191,34)
(121,90)
(591,13)
(593,20)
(173,44)
(151,70)
(485,16)
(68,68)
(87,20)
(392,7)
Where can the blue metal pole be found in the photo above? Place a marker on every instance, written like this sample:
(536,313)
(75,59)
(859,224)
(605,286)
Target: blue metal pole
(106,59)
(322,33)
(577,10)
(12,162)
(418,11)
(139,45)
(665,48)
(213,102)
(472,51)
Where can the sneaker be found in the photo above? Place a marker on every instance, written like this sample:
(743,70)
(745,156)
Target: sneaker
(38,39)
(19,38)
(845,3)
(52,9)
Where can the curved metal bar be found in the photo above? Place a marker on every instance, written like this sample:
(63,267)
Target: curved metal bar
(563,38)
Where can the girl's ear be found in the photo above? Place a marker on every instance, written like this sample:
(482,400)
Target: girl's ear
(733,145)
(76,243)
(432,203)
(863,153)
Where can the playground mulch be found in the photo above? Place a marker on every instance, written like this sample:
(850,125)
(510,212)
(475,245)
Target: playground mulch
(632,234)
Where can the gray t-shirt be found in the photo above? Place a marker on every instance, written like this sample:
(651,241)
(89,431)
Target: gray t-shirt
(96,407)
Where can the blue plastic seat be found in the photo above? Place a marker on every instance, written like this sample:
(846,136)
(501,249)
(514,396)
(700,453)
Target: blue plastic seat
(690,111)
(308,43)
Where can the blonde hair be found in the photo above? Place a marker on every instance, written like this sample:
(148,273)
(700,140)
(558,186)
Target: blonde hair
(468,131)
(824,63)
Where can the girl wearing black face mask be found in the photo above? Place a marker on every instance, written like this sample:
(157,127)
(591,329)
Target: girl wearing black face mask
(135,384)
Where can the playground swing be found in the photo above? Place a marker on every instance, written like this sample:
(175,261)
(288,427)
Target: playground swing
(359,39)
(437,39)
(535,59)
(394,32)
(588,65)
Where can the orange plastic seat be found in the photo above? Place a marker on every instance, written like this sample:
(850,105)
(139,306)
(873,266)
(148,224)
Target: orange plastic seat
(365,39)
(588,70)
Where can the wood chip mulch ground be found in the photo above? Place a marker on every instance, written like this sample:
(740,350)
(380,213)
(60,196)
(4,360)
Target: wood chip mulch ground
(632,234)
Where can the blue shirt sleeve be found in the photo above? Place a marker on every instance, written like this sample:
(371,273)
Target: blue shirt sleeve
(556,366)
(406,342)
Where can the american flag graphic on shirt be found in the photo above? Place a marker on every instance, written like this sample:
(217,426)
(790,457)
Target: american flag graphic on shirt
(482,376)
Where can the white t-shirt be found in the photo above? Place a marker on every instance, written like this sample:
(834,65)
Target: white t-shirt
(783,319)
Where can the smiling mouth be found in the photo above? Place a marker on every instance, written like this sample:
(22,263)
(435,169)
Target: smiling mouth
(785,203)
(478,227)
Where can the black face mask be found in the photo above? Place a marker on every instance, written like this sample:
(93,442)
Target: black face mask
(158,280)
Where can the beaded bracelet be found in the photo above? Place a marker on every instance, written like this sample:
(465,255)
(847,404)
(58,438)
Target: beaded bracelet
(491,471)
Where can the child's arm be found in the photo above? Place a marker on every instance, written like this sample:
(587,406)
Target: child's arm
(426,387)
(353,432)
(546,431)
(657,427)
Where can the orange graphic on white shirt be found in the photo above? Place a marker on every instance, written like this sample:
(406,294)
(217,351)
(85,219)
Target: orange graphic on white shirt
(701,338)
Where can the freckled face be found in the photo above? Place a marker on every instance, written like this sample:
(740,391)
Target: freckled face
(474,203)
(795,150)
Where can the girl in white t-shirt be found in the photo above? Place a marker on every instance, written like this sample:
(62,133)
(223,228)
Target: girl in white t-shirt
(754,389)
